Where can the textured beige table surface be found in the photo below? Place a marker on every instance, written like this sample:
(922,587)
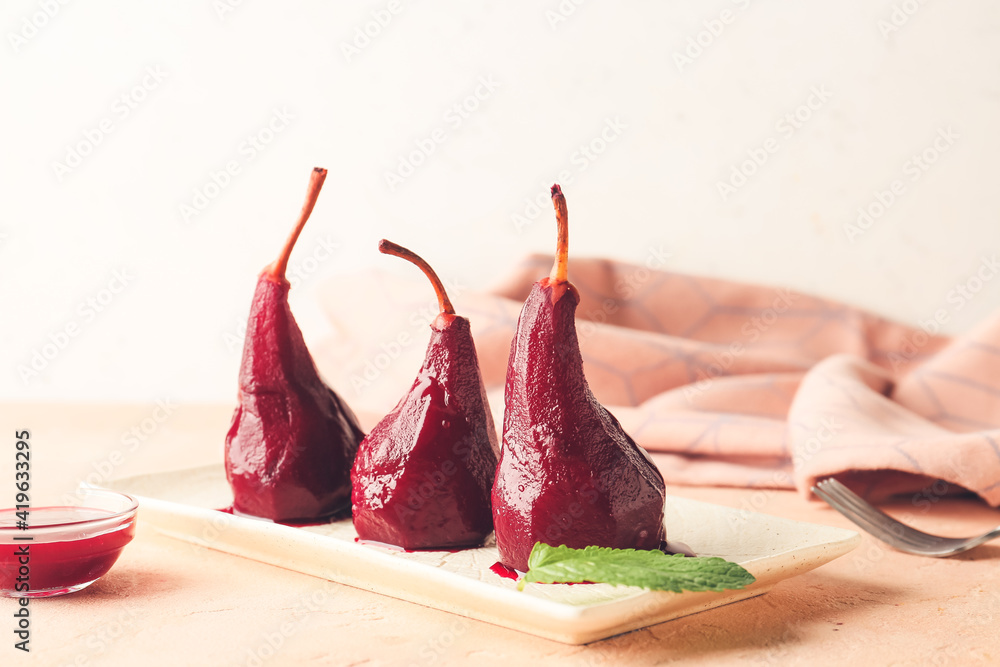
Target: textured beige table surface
(170,603)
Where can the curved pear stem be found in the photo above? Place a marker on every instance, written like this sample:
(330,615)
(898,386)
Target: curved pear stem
(276,271)
(560,270)
(389,248)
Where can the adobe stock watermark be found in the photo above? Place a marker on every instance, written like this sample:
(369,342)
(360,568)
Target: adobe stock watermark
(305,607)
(913,169)
(698,43)
(900,15)
(786,127)
(626,288)
(430,484)
(130,442)
(211,530)
(875,550)
(298,272)
(579,161)
(778,647)
(974,626)
(86,312)
(371,369)
(453,118)
(364,34)
(223,8)
(121,108)
(600,654)
(434,649)
(31,24)
(751,331)
(827,429)
(219,179)
(125,622)
(957,298)
(560,13)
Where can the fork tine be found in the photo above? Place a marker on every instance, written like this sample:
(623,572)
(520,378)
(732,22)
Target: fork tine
(861,519)
(902,535)
(884,525)
(976,541)
(899,531)
(860,508)
(895,533)
(903,531)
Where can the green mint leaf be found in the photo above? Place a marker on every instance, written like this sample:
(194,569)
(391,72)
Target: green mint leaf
(631,567)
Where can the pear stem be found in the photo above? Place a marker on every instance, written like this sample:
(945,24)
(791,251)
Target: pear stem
(276,271)
(560,270)
(389,248)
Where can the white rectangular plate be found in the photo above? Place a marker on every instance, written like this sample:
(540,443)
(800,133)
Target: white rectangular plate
(182,504)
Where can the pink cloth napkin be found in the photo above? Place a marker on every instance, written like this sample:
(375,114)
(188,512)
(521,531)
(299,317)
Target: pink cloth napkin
(726,383)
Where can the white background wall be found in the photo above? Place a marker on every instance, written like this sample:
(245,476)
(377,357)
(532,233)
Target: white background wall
(890,92)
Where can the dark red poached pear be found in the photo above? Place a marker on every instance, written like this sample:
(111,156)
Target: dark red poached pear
(292,440)
(568,473)
(422,477)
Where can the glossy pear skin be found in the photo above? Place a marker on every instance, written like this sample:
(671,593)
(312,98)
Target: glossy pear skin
(568,473)
(292,440)
(423,476)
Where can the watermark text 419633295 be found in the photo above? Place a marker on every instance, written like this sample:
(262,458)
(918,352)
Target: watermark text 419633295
(22,546)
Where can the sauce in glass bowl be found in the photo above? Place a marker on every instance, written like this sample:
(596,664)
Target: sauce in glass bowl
(63,548)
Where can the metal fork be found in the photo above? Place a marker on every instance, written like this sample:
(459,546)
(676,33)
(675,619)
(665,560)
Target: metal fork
(890,531)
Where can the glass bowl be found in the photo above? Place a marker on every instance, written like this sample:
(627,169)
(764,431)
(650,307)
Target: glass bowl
(64,548)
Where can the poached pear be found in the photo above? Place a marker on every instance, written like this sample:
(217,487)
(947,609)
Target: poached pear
(422,478)
(292,440)
(568,473)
